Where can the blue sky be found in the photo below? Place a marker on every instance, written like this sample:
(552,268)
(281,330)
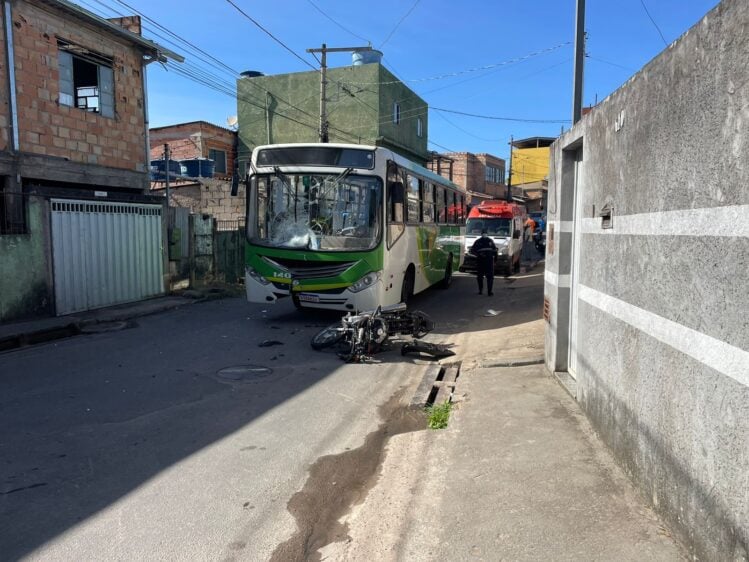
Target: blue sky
(423,41)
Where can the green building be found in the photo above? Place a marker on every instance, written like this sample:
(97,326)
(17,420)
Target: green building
(365,104)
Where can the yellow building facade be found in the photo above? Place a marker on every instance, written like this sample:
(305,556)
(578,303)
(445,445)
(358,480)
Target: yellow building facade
(530,160)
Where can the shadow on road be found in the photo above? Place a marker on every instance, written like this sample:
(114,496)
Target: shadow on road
(85,421)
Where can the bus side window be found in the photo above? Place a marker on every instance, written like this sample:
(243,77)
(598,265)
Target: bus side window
(394,195)
(414,211)
(427,202)
(441,216)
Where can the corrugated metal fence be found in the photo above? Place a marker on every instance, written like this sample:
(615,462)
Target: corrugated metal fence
(105,253)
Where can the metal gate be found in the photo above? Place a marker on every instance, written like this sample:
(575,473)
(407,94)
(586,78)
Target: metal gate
(105,253)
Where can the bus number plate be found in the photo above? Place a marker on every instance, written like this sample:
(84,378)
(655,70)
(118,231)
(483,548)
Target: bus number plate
(306,297)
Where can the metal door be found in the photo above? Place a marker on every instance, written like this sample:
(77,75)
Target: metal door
(577,233)
(105,253)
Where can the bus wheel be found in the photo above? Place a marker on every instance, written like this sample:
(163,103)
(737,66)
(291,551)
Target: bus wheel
(448,278)
(407,291)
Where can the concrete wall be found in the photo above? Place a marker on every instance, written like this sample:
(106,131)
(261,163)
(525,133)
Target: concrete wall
(360,109)
(209,196)
(25,281)
(663,333)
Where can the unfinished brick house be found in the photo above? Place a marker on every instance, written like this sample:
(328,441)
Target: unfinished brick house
(481,175)
(207,193)
(78,227)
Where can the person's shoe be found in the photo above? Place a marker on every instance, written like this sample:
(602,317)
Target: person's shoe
(490,294)
(481,292)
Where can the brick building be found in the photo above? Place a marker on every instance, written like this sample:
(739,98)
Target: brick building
(481,175)
(209,195)
(73,155)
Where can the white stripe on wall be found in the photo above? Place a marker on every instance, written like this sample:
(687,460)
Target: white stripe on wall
(555,279)
(716,354)
(727,221)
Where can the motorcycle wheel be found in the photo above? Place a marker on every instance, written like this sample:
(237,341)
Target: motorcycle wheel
(327,337)
(422,324)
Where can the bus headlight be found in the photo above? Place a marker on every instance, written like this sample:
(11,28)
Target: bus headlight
(365,282)
(256,276)
(504,250)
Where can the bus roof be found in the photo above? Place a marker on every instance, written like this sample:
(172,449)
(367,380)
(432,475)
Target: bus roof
(400,160)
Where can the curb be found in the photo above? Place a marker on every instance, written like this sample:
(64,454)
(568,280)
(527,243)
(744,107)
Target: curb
(513,363)
(76,327)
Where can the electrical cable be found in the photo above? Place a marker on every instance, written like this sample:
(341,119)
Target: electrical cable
(644,7)
(277,40)
(316,7)
(400,21)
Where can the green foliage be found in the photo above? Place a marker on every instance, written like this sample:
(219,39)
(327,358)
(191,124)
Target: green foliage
(438,415)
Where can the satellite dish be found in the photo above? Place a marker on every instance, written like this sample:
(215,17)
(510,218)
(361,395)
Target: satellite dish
(232,121)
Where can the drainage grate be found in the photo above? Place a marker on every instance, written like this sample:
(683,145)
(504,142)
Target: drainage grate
(437,385)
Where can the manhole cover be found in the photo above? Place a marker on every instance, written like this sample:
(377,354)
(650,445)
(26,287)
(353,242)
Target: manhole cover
(244,373)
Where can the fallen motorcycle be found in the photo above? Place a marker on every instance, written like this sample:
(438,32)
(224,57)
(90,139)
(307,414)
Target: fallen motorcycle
(361,335)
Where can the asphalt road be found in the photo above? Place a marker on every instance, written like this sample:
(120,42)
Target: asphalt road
(133,444)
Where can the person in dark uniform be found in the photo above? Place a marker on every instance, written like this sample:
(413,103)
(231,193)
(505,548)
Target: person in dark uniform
(485,251)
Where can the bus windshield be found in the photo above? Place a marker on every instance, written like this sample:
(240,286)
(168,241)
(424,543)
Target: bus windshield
(317,211)
(493,226)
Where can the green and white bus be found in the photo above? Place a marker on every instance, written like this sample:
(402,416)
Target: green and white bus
(348,227)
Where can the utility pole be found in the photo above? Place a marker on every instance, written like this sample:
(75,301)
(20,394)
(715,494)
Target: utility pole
(167,158)
(324,50)
(577,87)
(509,174)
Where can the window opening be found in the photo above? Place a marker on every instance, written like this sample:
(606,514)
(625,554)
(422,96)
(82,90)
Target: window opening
(219,160)
(86,79)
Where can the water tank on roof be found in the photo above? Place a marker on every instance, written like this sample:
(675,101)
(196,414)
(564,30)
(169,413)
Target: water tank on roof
(159,167)
(359,58)
(251,74)
(197,167)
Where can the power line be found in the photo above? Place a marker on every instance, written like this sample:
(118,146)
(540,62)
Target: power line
(276,39)
(468,70)
(644,7)
(611,63)
(517,119)
(316,7)
(400,21)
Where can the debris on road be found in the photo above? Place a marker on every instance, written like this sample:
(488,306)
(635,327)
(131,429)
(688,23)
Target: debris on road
(492,312)
(269,343)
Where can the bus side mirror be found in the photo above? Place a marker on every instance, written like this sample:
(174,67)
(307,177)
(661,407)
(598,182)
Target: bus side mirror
(396,191)
(234,185)
(516,234)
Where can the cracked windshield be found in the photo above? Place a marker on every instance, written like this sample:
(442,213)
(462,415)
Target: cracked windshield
(318,211)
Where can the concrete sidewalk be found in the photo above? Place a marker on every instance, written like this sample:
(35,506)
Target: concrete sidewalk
(524,476)
(22,334)
(518,475)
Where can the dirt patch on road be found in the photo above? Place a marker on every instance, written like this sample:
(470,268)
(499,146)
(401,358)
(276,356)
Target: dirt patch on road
(336,483)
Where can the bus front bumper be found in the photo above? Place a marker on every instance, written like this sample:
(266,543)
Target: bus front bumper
(333,299)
